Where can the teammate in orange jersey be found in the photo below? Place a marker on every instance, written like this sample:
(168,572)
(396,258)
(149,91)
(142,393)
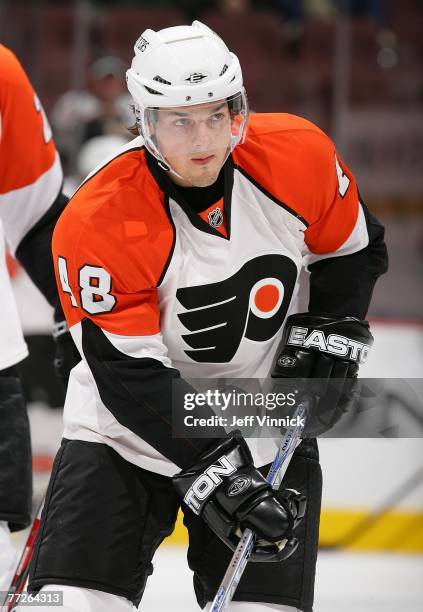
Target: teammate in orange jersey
(179,258)
(30,203)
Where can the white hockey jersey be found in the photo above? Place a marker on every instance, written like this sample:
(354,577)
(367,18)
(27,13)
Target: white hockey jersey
(149,286)
(30,180)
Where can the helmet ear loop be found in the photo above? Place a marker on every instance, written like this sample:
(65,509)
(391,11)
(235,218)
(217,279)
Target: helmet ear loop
(151,131)
(238,106)
(238,130)
(151,142)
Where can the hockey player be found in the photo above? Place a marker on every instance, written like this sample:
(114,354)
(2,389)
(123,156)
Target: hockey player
(179,258)
(30,203)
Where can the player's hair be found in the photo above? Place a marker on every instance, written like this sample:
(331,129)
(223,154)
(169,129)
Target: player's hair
(133,129)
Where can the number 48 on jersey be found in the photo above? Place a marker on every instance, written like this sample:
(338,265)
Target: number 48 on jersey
(95,285)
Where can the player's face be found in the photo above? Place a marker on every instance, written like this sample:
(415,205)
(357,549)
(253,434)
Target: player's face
(194,141)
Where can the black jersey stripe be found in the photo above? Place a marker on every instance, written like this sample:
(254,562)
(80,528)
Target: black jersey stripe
(172,248)
(141,395)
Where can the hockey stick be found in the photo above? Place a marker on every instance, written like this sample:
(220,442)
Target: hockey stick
(245,546)
(22,569)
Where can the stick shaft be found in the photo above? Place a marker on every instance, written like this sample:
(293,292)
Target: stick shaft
(20,576)
(245,546)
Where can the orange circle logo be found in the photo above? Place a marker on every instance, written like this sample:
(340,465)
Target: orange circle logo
(266,298)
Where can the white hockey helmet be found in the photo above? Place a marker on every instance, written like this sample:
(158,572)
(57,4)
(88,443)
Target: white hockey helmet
(184,66)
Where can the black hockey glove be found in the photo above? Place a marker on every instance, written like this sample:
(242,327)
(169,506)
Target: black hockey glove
(67,355)
(325,352)
(230,494)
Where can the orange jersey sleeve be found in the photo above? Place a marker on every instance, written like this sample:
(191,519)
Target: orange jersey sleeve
(110,247)
(297,164)
(27,149)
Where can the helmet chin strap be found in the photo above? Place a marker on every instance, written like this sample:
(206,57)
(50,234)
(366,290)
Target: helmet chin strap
(164,166)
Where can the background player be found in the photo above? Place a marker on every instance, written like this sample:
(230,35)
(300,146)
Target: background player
(30,203)
(180,256)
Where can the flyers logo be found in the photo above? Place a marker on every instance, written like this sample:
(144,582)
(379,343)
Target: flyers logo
(252,303)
